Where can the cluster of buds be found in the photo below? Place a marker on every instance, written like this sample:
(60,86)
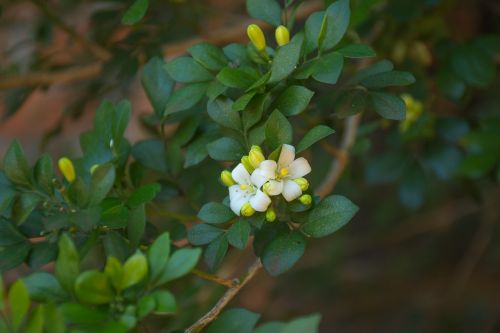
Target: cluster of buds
(255,180)
(258,39)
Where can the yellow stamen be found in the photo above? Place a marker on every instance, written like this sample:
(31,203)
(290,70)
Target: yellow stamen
(283,172)
(244,187)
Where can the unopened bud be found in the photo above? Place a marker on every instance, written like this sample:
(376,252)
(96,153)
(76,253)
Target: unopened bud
(255,156)
(93,168)
(226,178)
(282,35)
(245,160)
(303,183)
(270,215)
(305,199)
(67,169)
(266,187)
(256,36)
(247,210)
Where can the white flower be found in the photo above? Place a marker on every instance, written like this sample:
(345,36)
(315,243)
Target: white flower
(246,192)
(279,176)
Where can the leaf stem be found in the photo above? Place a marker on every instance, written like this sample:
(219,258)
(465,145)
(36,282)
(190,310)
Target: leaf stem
(214,278)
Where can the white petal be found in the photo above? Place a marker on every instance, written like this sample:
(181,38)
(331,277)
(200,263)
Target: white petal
(260,201)
(298,168)
(275,187)
(287,156)
(291,190)
(268,168)
(241,175)
(258,179)
(237,198)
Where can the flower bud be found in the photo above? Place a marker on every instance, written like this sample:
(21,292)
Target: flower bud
(255,156)
(266,187)
(67,169)
(305,199)
(303,183)
(226,178)
(282,35)
(245,160)
(256,36)
(270,215)
(93,168)
(247,210)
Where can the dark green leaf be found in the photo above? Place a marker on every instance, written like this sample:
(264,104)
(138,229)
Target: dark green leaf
(135,12)
(196,151)
(24,206)
(181,263)
(278,130)
(16,166)
(202,234)
(101,183)
(67,263)
(158,255)
(266,10)
(293,100)
(225,149)
(185,98)
(93,287)
(328,68)
(44,287)
(234,320)
(379,67)
(387,79)
(283,252)
(215,252)
(44,174)
(221,111)
(351,103)
(215,213)
(314,135)
(238,234)
(308,324)
(240,78)
(151,154)
(271,327)
(13,255)
(388,105)
(331,214)
(286,59)
(210,56)
(337,21)
(242,102)
(186,130)
(357,51)
(157,84)
(473,66)
(165,302)
(187,70)
(143,195)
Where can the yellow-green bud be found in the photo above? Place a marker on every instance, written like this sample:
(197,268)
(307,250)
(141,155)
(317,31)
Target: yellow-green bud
(67,169)
(247,210)
(245,160)
(305,199)
(303,183)
(255,156)
(226,178)
(270,215)
(265,187)
(93,168)
(282,35)
(256,36)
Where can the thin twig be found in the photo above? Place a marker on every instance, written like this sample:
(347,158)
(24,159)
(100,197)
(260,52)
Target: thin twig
(224,300)
(214,278)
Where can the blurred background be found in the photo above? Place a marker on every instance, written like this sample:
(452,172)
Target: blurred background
(423,254)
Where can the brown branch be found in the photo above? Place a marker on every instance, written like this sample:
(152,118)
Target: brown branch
(218,37)
(214,278)
(224,300)
(342,156)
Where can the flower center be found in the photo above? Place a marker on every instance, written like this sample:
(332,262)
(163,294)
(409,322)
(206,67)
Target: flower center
(244,187)
(283,172)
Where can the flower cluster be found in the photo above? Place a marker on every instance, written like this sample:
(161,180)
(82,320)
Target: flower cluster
(255,180)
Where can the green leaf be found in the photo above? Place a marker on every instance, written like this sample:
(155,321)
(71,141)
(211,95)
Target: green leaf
(234,320)
(135,12)
(136,225)
(174,158)
(187,70)
(266,10)
(352,102)
(9,235)
(157,84)
(19,303)
(239,78)
(13,255)
(7,196)
(210,56)
(473,66)
(180,264)
(42,254)
(35,324)
(283,252)
(286,59)
(158,255)
(314,135)
(278,130)
(54,322)
(185,98)
(151,154)
(186,130)
(24,206)
(388,105)
(387,79)
(254,110)
(329,215)
(134,270)
(237,53)
(196,151)
(74,313)
(145,306)
(308,324)
(67,263)
(271,327)
(165,302)
(225,149)
(215,213)
(328,68)
(16,166)
(238,234)
(215,252)
(202,234)
(44,287)
(294,100)
(357,51)
(314,29)
(337,21)
(44,174)
(379,67)
(120,120)
(242,102)
(103,179)
(262,81)
(114,272)
(143,195)
(78,193)
(221,111)
(93,287)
